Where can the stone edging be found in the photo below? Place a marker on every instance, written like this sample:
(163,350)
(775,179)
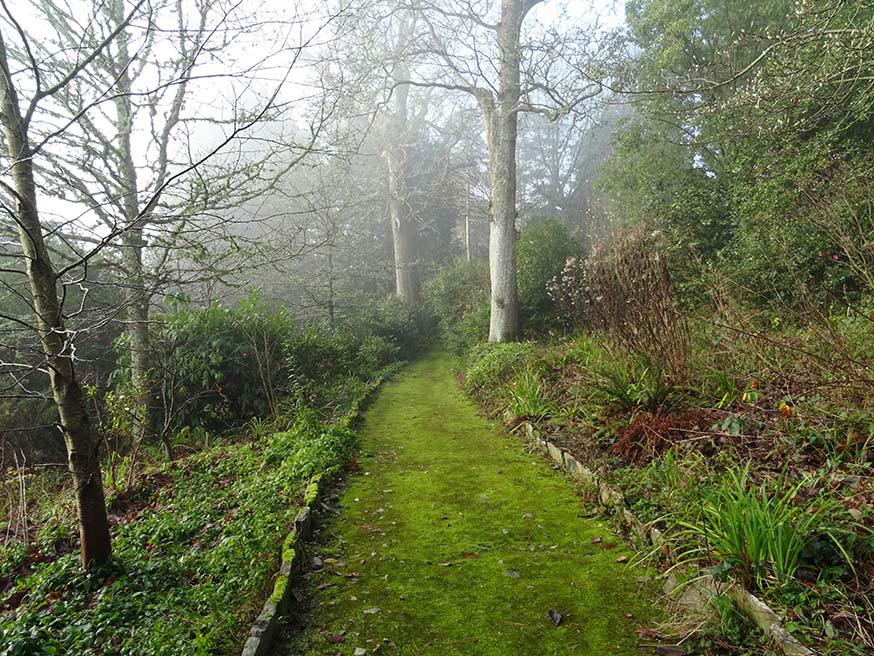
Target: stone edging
(264,630)
(705,587)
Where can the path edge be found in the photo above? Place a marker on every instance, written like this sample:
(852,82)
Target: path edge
(262,633)
(706,587)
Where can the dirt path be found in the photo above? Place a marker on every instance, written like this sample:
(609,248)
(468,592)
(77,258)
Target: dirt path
(451,540)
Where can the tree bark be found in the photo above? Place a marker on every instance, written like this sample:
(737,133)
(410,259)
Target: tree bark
(467,225)
(404,231)
(81,441)
(501,115)
(133,245)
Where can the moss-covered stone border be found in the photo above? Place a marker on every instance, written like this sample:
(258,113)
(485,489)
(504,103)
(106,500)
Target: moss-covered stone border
(264,629)
(650,537)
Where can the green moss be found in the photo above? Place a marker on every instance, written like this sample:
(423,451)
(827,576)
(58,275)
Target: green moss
(279,589)
(464,542)
(289,552)
(312,491)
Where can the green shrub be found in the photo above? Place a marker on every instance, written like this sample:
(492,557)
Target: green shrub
(493,365)
(626,384)
(805,226)
(458,296)
(473,328)
(217,367)
(214,367)
(541,253)
(400,325)
(319,357)
(309,448)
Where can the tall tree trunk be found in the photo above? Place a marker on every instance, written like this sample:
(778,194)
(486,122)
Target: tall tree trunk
(331,312)
(80,439)
(467,225)
(501,116)
(137,314)
(145,422)
(403,230)
(504,317)
(133,245)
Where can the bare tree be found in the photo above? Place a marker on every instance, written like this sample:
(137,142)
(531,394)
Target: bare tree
(55,102)
(559,162)
(82,445)
(477,47)
(374,71)
(120,154)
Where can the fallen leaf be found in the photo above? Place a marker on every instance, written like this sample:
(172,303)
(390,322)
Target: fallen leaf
(644,632)
(596,539)
(622,559)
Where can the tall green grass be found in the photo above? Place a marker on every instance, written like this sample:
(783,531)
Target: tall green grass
(759,531)
(527,398)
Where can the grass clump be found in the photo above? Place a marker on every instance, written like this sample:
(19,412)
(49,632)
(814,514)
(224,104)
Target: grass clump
(760,532)
(528,398)
(492,365)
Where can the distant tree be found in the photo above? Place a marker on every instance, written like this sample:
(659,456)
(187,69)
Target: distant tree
(478,48)
(559,163)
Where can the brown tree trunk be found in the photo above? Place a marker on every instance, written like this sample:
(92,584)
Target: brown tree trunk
(80,439)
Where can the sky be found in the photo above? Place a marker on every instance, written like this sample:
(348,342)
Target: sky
(271,49)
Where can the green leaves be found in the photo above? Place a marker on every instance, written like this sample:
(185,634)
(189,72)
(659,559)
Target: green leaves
(541,253)
(191,564)
(761,531)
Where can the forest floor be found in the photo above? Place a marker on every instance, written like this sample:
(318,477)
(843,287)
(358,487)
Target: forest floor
(451,539)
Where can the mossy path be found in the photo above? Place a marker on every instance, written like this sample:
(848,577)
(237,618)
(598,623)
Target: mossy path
(451,540)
